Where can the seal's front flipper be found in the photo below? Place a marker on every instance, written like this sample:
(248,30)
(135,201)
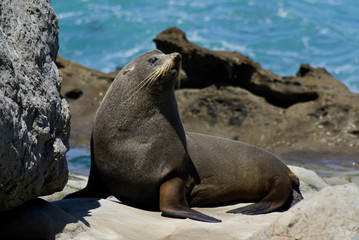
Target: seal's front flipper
(95,188)
(173,202)
(87,192)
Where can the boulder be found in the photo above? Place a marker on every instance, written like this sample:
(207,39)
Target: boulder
(333,213)
(327,125)
(205,67)
(34,117)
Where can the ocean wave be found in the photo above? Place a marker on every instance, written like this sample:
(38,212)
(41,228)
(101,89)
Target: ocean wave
(113,60)
(278,34)
(71,14)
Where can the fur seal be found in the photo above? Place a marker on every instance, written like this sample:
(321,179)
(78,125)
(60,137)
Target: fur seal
(138,144)
(141,154)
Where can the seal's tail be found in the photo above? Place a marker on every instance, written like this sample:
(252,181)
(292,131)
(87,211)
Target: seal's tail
(296,194)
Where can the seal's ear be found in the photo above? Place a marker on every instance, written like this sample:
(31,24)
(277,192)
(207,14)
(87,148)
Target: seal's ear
(125,71)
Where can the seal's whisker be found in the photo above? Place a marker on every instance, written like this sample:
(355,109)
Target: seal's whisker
(155,75)
(163,69)
(137,88)
(151,78)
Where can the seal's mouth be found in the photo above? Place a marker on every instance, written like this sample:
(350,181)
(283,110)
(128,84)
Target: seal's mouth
(176,67)
(176,58)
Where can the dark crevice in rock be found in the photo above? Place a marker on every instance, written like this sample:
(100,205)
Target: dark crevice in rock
(355,133)
(73,94)
(283,100)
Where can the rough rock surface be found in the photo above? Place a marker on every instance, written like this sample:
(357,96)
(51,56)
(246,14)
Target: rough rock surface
(328,124)
(34,117)
(333,213)
(330,214)
(204,67)
(91,218)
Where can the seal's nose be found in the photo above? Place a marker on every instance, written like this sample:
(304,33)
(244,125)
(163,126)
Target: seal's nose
(177,57)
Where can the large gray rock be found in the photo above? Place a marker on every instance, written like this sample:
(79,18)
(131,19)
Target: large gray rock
(34,117)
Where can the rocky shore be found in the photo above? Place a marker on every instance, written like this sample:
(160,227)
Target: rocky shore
(327,212)
(221,93)
(229,95)
(305,119)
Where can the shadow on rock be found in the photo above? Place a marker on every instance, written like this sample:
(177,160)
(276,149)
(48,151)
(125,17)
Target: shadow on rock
(39,219)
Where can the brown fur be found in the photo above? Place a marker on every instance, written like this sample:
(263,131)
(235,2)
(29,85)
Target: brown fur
(139,152)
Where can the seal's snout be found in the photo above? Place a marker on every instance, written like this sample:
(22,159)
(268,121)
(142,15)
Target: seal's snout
(176,61)
(176,57)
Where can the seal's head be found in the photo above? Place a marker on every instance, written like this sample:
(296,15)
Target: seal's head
(153,72)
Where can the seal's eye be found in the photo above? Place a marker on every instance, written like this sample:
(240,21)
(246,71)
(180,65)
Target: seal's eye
(152,60)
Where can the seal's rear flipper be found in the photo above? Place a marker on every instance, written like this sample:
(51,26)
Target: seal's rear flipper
(281,191)
(173,202)
(189,213)
(255,208)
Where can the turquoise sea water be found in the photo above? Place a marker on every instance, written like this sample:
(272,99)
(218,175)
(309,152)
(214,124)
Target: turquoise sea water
(279,34)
